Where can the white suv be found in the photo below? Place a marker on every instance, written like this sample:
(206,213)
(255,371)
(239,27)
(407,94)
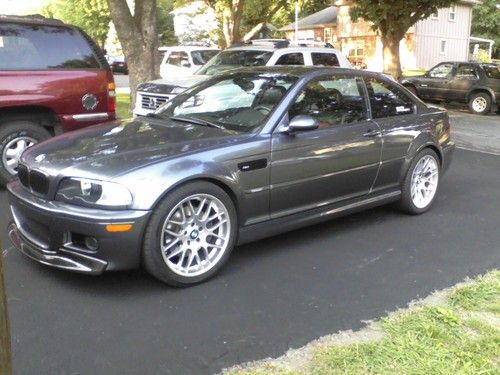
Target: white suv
(264,52)
(182,61)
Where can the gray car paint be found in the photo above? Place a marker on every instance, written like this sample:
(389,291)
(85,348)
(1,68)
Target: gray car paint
(307,177)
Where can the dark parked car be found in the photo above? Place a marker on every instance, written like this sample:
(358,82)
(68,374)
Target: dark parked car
(242,156)
(53,78)
(119,65)
(476,84)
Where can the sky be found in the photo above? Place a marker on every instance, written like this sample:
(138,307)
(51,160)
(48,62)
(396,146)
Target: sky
(21,7)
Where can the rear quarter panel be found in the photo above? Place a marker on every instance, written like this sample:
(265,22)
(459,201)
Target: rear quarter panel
(60,91)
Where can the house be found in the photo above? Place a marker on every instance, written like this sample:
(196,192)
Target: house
(443,36)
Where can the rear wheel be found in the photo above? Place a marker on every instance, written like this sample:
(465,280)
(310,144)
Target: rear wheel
(480,103)
(190,234)
(421,183)
(15,137)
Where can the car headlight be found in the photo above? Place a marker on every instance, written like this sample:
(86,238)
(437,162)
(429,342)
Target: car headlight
(93,193)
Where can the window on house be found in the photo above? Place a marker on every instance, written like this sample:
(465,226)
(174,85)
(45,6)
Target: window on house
(328,35)
(442,47)
(452,15)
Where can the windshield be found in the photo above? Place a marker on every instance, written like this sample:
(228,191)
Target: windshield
(201,57)
(492,71)
(230,59)
(239,102)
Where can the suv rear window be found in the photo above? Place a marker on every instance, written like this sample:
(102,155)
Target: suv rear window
(26,47)
(325,59)
(492,71)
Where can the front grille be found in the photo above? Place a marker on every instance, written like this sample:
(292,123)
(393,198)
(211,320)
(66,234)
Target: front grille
(34,180)
(153,102)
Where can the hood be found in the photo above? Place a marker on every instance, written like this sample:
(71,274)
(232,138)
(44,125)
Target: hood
(165,86)
(112,149)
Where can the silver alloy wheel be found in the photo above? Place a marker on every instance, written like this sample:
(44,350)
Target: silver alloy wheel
(13,150)
(424,181)
(195,235)
(479,104)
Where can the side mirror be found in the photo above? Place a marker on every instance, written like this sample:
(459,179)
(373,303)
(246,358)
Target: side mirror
(185,64)
(302,123)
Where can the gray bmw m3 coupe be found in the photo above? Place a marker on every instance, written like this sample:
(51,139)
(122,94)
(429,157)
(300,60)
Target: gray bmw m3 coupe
(245,155)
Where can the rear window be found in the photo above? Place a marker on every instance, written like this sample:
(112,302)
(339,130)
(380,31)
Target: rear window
(26,47)
(325,59)
(201,57)
(492,71)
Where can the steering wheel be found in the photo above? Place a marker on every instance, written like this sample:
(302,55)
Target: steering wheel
(263,109)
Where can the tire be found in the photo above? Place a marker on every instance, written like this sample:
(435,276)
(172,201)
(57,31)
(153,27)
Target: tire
(13,135)
(480,103)
(168,252)
(415,204)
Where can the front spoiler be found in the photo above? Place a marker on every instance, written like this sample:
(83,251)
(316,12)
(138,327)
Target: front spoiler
(62,259)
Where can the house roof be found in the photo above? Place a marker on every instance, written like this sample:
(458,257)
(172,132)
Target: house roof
(325,17)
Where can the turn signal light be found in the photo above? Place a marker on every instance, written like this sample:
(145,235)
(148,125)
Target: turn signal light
(119,227)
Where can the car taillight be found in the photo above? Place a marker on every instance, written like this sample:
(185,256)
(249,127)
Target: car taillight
(111,97)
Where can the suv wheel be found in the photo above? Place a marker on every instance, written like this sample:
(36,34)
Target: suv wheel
(480,103)
(15,137)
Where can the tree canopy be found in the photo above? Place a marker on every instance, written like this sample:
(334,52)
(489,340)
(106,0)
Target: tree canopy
(393,18)
(486,23)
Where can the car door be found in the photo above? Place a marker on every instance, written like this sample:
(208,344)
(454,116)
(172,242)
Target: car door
(333,163)
(435,83)
(464,79)
(394,111)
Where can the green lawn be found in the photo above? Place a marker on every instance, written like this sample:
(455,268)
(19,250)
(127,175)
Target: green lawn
(458,333)
(123,105)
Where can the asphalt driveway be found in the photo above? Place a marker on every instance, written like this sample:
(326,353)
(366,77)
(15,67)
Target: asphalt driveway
(274,294)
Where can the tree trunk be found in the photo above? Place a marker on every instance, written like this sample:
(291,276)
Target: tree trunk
(139,39)
(392,63)
(5,355)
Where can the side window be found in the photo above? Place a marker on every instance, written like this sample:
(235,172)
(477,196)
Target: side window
(441,71)
(25,47)
(325,59)
(333,101)
(466,71)
(291,59)
(176,58)
(387,100)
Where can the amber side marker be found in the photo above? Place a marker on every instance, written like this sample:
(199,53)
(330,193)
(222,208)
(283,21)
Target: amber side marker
(119,227)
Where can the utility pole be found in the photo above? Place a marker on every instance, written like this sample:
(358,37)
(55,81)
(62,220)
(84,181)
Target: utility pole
(5,353)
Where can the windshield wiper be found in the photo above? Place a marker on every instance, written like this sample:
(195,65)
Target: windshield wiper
(197,121)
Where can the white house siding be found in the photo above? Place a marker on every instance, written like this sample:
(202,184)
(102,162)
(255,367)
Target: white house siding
(431,32)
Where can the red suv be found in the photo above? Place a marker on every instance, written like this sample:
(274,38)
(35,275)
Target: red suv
(53,78)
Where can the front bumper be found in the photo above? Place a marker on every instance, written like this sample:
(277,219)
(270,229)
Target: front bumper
(53,233)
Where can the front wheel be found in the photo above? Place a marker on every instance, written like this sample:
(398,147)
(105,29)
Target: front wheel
(190,234)
(421,183)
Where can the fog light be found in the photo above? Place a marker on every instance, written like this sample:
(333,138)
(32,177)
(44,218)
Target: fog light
(91,243)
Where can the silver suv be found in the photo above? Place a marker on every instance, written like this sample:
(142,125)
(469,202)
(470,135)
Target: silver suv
(262,52)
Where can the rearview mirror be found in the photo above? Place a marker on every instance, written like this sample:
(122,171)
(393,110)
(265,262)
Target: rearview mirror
(185,64)
(302,123)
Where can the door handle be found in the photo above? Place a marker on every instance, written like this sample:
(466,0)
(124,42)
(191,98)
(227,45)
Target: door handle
(372,133)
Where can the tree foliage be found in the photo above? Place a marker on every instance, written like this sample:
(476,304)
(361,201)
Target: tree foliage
(486,23)
(392,19)
(166,23)
(91,15)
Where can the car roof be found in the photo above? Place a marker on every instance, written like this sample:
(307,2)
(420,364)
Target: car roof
(284,49)
(187,48)
(302,71)
(34,19)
